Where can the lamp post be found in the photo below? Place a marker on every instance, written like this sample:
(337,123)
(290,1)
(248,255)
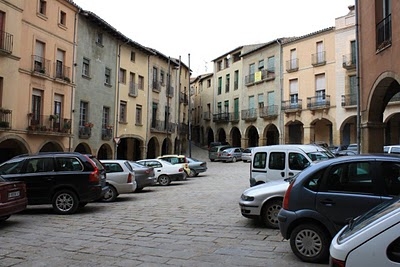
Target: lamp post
(190,113)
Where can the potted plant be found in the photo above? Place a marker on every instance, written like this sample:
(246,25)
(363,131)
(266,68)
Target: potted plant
(5,111)
(53,117)
(89,124)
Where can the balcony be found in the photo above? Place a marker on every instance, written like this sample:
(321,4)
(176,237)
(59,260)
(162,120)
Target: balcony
(269,112)
(349,101)
(221,117)
(62,72)
(290,107)
(5,118)
(349,62)
(158,126)
(85,131)
(292,65)
(234,117)
(384,33)
(183,98)
(156,86)
(207,116)
(48,124)
(318,59)
(318,102)
(107,133)
(40,65)
(249,114)
(260,76)
(183,129)
(6,42)
(133,89)
(170,91)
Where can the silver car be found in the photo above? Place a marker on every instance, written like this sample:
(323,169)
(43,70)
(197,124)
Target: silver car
(232,154)
(144,175)
(196,166)
(246,155)
(120,178)
(263,202)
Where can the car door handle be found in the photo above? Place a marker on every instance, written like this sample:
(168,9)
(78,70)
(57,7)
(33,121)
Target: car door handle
(283,174)
(328,202)
(291,173)
(158,170)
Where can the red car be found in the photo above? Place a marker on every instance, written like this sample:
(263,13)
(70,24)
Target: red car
(12,198)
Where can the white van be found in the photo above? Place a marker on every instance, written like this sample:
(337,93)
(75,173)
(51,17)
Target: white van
(283,161)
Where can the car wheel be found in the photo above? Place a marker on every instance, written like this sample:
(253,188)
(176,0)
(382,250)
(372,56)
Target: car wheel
(111,194)
(139,189)
(212,160)
(269,213)
(82,204)
(234,159)
(192,173)
(65,202)
(310,243)
(164,180)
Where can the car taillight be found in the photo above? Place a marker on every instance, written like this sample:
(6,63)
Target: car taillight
(129,178)
(94,176)
(336,263)
(147,171)
(181,170)
(287,197)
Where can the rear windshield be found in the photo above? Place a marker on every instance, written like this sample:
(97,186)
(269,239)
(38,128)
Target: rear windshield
(97,162)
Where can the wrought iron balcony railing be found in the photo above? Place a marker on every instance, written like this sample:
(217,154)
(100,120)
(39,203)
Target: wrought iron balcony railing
(384,33)
(249,114)
(6,42)
(260,76)
(62,72)
(41,65)
(5,118)
(207,115)
(48,124)
(162,126)
(289,106)
(106,133)
(349,100)
(318,102)
(183,98)
(133,89)
(318,59)
(269,112)
(221,117)
(292,65)
(349,62)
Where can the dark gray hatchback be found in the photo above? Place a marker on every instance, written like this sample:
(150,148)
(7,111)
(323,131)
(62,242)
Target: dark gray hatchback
(325,196)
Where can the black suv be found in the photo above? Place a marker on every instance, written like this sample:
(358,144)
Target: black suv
(67,180)
(325,196)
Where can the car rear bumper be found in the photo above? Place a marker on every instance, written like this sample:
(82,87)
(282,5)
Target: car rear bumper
(148,181)
(12,207)
(285,218)
(126,188)
(177,177)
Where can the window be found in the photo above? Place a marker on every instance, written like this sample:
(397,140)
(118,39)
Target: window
(83,113)
(154,115)
(226,62)
(293,91)
(99,38)
(133,56)
(320,87)
(107,80)
(227,83)
(58,100)
(60,68)
(106,117)
(219,65)
(122,111)
(208,83)
(226,106)
(122,76)
(260,100)
(132,85)
(162,77)
(219,85)
(155,78)
(297,161)
(277,160)
(141,83)
(42,7)
(39,60)
(138,115)
(236,80)
(271,64)
(1,91)
(260,160)
(261,64)
(390,174)
(63,18)
(36,107)
(293,59)
(86,67)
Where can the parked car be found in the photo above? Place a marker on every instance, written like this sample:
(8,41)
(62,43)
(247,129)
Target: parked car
(196,166)
(120,178)
(263,202)
(392,149)
(177,159)
(231,154)
(215,152)
(144,175)
(212,144)
(352,147)
(372,239)
(346,152)
(12,198)
(246,154)
(67,180)
(165,172)
(320,200)
(278,162)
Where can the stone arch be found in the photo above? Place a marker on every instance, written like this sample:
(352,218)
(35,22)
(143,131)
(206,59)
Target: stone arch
(83,148)
(321,130)
(166,147)
(384,88)
(294,132)
(271,135)
(221,135)
(236,137)
(11,146)
(51,146)
(130,147)
(348,131)
(153,148)
(251,136)
(105,152)
(210,135)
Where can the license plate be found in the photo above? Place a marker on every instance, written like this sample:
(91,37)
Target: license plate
(14,194)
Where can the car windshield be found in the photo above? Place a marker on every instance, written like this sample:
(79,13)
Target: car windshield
(11,167)
(320,155)
(2,179)
(362,221)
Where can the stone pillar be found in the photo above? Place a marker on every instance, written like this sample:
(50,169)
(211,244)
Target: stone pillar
(372,136)
(308,134)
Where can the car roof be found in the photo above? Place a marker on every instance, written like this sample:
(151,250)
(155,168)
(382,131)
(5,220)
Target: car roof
(305,148)
(178,156)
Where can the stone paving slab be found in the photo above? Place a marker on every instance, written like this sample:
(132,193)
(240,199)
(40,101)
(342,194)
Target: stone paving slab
(190,223)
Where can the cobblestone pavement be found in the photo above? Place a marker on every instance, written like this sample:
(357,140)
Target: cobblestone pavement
(191,223)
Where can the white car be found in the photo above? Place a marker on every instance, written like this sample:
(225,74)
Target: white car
(164,171)
(263,202)
(246,154)
(120,178)
(372,239)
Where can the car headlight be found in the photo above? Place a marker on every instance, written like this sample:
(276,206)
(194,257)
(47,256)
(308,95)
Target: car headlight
(247,198)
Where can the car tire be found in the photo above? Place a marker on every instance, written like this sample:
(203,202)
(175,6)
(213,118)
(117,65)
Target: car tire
(139,189)
(82,204)
(234,159)
(4,218)
(310,243)
(164,180)
(110,195)
(192,173)
(65,202)
(212,160)
(269,213)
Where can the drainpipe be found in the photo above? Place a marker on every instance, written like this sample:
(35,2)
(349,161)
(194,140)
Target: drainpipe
(281,122)
(73,78)
(358,82)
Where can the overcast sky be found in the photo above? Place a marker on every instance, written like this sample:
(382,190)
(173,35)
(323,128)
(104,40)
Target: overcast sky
(208,29)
